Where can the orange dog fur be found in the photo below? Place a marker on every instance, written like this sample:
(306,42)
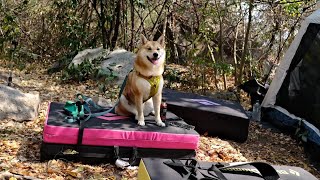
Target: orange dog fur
(135,98)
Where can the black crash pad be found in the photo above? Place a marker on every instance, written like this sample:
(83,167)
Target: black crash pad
(215,117)
(159,169)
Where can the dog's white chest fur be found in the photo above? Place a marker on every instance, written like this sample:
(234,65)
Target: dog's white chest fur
(144,87)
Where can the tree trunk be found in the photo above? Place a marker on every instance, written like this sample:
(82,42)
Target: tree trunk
(132,25)
(221,52)
(171,39)
(124,23)
(117,25)
(246,40)
(111,23)
(102,25)
(215,67)
(235,60)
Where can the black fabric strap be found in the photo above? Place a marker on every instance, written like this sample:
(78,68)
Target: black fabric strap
(191,171)
(80,136)
(80,133)
(133,159)
(216,172)
(266,170)
(116,151)
(191,168)
(179,167)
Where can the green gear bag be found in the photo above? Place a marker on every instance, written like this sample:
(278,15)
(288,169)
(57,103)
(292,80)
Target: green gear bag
(72,109)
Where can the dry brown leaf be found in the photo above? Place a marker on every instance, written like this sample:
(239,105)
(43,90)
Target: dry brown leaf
(73,173)
(51,171)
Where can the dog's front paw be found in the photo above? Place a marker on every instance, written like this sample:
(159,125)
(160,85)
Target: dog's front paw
(161,124)
(141,123)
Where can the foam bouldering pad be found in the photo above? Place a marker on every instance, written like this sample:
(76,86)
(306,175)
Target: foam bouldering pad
(214,117)
(98,136)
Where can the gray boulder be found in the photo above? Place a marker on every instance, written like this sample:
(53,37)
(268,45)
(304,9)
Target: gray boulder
(89,54)
(120,62)
(17,105)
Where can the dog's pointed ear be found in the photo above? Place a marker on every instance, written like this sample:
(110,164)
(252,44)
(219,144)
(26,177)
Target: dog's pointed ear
(161,40)
(143,39)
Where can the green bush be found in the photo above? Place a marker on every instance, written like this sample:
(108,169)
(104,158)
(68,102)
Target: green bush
(88,70)
(81,72)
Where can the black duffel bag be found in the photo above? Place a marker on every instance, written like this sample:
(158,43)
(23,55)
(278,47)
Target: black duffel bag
(170,169)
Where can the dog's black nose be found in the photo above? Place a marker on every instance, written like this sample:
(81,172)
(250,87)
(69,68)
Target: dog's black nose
(155,55)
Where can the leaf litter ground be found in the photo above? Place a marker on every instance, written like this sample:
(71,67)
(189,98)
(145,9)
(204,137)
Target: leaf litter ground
(20,141)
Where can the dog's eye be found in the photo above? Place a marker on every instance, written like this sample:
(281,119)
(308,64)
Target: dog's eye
(149,49)
(158,49)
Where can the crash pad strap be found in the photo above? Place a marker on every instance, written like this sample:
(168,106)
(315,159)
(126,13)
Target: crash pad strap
(80,133)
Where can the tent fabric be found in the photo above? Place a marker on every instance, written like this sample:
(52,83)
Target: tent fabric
(282,119)
(299,92)
(289,123)
(292,101)
(270,98)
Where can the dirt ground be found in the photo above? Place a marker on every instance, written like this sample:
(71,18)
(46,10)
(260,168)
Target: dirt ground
(20,141)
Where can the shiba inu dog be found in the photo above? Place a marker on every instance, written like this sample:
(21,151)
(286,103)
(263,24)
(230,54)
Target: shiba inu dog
(145,82)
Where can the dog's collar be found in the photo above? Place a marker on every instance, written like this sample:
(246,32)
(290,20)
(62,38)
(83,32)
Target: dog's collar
(143,76)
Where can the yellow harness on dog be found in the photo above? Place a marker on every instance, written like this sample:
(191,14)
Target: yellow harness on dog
(154,82)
